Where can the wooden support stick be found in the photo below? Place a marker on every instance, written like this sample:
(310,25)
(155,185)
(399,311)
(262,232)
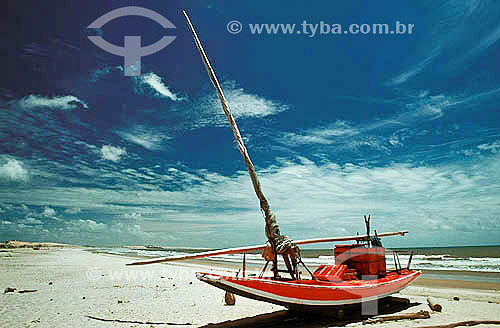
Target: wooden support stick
(410,316)
(244,265)
(409,261)
(263,269)
(288,265)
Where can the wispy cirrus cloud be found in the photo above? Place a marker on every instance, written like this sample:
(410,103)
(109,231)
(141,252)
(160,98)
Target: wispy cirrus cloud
(144,136)
(460,33)
(493,147)
(322,135)
(426,106)
(416,68)
(386,133)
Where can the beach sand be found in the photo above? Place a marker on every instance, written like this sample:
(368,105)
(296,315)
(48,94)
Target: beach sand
(80,288)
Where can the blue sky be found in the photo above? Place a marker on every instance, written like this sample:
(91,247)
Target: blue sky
(403,127)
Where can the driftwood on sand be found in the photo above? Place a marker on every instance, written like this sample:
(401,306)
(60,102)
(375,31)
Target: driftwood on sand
(434,306)
(139,322)
(405,316)
(398,300)
(465,324)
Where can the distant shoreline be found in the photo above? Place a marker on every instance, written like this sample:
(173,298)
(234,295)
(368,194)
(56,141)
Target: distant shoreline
(10,244)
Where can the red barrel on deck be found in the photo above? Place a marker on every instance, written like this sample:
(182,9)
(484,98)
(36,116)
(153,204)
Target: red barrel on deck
(365,260)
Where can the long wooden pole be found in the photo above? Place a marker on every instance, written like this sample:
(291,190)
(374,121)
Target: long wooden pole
(237,136)
(247,249)
(227,112)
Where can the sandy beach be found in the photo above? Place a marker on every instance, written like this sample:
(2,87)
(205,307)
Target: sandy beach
(71,287)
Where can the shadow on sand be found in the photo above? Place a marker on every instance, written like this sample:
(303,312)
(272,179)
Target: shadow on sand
(337,317)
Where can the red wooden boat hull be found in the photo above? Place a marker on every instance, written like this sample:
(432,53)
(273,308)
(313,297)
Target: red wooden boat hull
(292,293)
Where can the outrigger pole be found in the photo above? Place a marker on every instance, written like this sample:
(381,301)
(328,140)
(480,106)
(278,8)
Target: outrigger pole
(246,249)
(280,243)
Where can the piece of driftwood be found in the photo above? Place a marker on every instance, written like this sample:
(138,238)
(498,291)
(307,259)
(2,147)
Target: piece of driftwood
(229,298)
(27,291)
(406,316)
(139,322)
(466,324)
(434,306)
(398,300)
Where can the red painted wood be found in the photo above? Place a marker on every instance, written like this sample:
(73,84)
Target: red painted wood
(312,292)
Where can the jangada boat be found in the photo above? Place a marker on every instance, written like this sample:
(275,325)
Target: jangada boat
(361,278)
(358,275)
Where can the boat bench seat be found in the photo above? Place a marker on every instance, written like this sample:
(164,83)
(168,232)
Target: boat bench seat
(330,272)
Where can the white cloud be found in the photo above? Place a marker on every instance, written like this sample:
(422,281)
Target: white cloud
(85,226)
(445,201)
(427,106)
(417,68)
(49,212)
(156,83)
(482,45)
(14,170)
(322,135)
(112,153)
(32,221)
(59,102)
(394,141)
(244,104)
(241,104)
(458,32)
(492,147)
(73,210)
(144,137)
(133,215)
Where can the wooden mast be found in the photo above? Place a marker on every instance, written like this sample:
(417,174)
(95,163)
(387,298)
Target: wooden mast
(272,227)
(271,224)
